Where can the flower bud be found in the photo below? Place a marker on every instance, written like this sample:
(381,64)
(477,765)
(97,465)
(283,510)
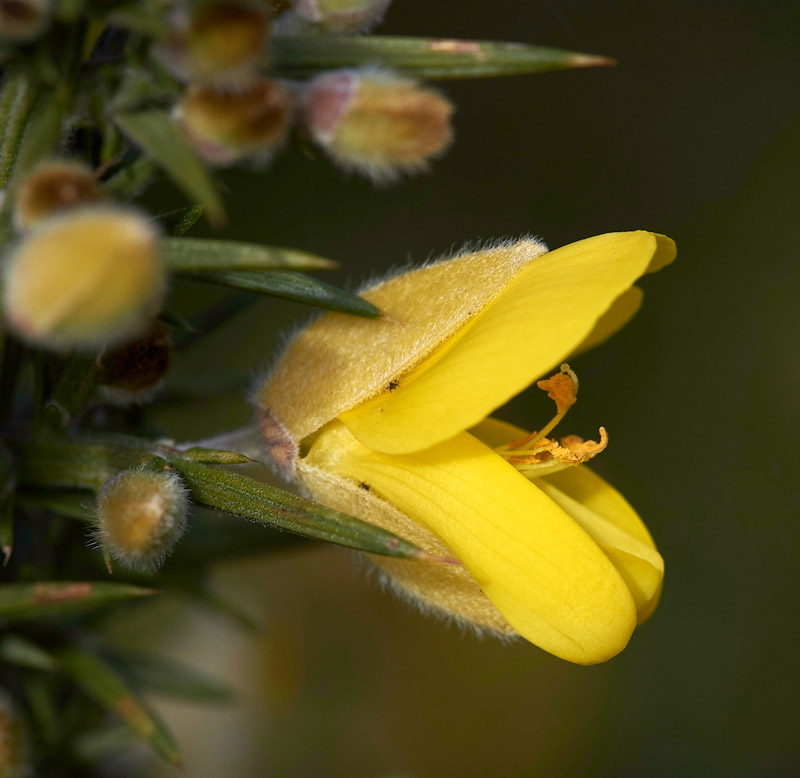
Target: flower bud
(13,746)
(228,126)
(132,372)
(84,279)
(377,124)
(23,20)
(334,16)
(217,41)
(54,186)
(140,516)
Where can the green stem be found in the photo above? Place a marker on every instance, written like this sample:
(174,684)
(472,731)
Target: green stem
(73,390)
(89,461)
(17,102)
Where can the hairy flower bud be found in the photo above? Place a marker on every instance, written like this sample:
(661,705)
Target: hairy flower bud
(228,126)
(334,16)
(13,747)
(23,20)
(132,372)
(140,516)
(54,186)
(84,279)
(375,123)
(217,41)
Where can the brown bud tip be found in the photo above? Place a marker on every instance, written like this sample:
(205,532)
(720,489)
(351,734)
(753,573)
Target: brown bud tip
(140,515)
(132,372)
(23,20)
(217,41)
(375,123)
(52,187)
(86,278)
(226,126)
(592,61)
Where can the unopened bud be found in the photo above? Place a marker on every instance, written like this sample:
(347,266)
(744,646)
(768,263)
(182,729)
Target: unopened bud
(53,187)
(227,126)
(217,41)
(334,16)
(83,279)
(375,123)
(132,372)
(140,516)
(23,20)
(13,745)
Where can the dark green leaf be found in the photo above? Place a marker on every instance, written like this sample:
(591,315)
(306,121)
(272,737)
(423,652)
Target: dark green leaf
(176,320)
(187,254)
(73,390)
(20,651)
(179,222)
(162,140)
(100,682)
(260,502)
(214,456)
(53,599)
(292,286)
(423,57)
(163,675)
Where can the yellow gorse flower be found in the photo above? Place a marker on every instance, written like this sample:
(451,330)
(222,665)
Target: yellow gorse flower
(389,421)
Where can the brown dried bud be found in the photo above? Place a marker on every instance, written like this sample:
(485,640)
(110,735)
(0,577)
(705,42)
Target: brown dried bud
(132,372)
(226,126)
(376,123)
(23,20)
(54,186)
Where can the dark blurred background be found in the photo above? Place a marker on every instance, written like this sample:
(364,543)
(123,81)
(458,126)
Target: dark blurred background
(695,134)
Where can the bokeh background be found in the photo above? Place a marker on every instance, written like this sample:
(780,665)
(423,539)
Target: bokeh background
(696,134)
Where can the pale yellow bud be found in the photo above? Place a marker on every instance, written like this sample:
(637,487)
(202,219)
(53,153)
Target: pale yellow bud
(335,16)
(54,186)
(84,279)
(228,126)
(23,20)
(13,746)
(217,41)
(140,516)
(377,124)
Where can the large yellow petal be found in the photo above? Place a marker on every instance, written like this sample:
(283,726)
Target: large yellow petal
(547,577)
(603,513)
(540,317)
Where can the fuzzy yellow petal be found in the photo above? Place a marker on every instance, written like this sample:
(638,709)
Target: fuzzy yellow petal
(539,318)
(339,361)
(545,575)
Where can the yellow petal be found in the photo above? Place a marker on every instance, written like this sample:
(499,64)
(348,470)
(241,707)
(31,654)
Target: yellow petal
(637,562)
(603,513)
(538,319)
(339,361)
(545,575)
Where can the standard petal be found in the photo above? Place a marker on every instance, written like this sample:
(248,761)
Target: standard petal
(538,319)
(603,513)
(339,361)
(546,576)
